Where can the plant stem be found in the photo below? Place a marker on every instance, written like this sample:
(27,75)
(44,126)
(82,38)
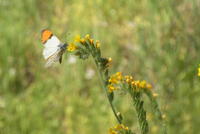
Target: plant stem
(141,113)
(104,85)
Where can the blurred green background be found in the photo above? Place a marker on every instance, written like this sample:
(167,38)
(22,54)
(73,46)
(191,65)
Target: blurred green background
(154,40)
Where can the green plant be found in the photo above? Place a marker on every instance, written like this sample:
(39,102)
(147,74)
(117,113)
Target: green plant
(85,47)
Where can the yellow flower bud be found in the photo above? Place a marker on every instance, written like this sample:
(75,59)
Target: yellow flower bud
(142,84)
(109,59)
(91,41)
(115,78)
(87,36)
(97,44)
(77,38)
(82,41)
(71,47)
(137,83)
(149,86)
(111,88)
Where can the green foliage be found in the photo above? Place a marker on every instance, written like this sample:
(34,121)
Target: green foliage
(155,40)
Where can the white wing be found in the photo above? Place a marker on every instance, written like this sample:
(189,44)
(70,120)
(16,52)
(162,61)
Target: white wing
(53,58)
(51,46)
(47,52)
(56,56)
(52,42)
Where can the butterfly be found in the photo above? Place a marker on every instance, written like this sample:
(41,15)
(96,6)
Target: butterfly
(53,48)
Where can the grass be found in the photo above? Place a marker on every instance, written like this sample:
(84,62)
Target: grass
(154,40)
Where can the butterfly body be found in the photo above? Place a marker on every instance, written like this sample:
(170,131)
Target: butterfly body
(53,48)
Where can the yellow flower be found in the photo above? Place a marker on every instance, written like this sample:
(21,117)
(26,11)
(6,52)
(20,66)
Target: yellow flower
(109,59)
(71,47)
(117,128)
(199,71)
(111,88)
(128,79)
(97,44)
(149,86)
(82,41)
(87,36)
(115,78)
(133,83)
(111,131)
(91,41)
(137,83)
(77,38)
(142,84)
(119,75)
(126,128)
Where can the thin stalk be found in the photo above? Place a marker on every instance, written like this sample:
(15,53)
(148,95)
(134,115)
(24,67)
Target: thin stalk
(141,113)
(103,82)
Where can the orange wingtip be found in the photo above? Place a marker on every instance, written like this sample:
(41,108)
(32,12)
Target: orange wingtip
(46,34)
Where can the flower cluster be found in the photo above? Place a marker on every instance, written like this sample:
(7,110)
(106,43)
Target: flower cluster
(84,47)
(71,47)
(87,46)
(116,79)
(136,84)
(199,71)
(118,129)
